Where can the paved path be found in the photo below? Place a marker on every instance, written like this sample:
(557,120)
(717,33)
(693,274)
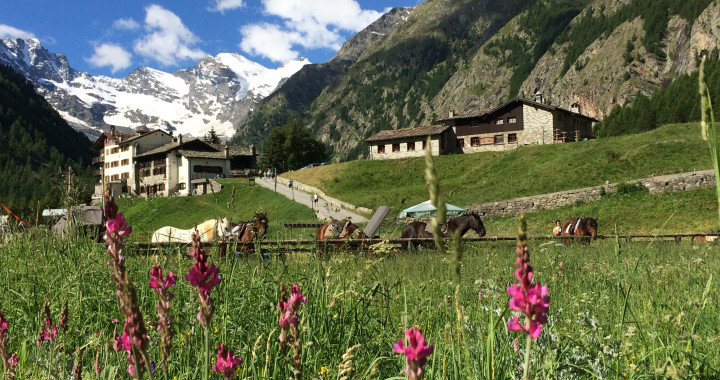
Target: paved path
(324,210)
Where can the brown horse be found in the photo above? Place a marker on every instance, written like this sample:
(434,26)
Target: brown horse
(461,224)
(248,232)
(580,227)
(339,230)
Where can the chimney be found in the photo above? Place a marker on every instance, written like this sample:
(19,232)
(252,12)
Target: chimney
(227,152)
(452,113)
(539,97)
(575,107)
(179,139)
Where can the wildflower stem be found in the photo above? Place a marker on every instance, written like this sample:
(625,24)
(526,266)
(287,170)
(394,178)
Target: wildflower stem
(206,353)
(528,343)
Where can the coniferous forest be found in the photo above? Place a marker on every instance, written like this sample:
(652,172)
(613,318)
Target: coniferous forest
(37,149)
(679,102)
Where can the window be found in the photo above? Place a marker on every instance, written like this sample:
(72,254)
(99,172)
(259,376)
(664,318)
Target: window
(182,186)
(411,146)
(381,148)
(125,175)
(512,120)
(161,186)
(115,164)
(499,139)
(499,121)
(107,178)
(159,170)
(396,147)
(461,143)
(125,162)
(142,189)
(474,141)
(205,169)
(114,150)
(512,138)
(125,148)
(115,177)
(424,144)
(475,123)
(107,165)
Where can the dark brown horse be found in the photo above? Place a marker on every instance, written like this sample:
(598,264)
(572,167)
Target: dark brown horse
(248,232)
(461,224)
(580,227)
(339,230)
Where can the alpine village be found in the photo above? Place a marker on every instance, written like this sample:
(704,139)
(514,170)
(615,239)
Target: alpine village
(465,189)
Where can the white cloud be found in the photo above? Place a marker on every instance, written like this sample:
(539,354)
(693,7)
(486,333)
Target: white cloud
(7,31)
(314,24)
(226,5)
(168,40)
(269,41)
(110,55)
(126,24)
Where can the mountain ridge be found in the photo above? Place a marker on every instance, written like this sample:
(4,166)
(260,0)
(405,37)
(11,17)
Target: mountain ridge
(212,94)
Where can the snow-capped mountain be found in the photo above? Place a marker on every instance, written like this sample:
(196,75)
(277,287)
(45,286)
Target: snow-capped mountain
(217,93)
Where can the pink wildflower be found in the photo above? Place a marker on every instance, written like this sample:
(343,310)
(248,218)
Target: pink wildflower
(204,277)
(161,286)
(528,298)
(290,334)
(14,360)
(226,362)
(416,352)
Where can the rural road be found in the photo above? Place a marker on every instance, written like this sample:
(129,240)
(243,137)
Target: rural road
(323,210)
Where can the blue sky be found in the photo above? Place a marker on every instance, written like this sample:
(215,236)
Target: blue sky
(114,37)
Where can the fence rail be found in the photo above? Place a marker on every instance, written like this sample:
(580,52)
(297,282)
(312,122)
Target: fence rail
(294,245)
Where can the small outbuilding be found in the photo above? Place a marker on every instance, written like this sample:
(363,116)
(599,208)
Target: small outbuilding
(89,218)
(426,209)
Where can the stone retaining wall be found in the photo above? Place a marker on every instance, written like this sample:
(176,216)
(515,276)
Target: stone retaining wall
(336,203)
(660,184)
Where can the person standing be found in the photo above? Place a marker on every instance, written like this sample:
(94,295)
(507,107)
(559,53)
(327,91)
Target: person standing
(558,228)
(315,199)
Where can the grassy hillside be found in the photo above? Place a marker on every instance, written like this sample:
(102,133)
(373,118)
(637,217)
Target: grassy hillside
(484,177)
(146,216)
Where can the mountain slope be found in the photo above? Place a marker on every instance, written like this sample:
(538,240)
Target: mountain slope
(36,147)
(472,55)
(214,93)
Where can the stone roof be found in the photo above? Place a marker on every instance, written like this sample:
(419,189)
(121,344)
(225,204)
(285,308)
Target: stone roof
(487,112)
(186,151)
(392,134)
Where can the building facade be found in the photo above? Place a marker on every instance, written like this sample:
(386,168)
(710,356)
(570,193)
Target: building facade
(154,163)
(518,122)
(411,142)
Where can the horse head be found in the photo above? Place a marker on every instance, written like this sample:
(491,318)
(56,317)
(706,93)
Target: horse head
(223,228)
(591,226)
(476,224)
(261,223)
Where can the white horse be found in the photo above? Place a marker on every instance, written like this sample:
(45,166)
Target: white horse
(209,231)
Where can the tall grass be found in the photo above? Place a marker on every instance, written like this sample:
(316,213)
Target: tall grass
(667,328)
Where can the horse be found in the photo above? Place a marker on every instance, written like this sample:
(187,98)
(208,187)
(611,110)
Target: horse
(339,230)
(209,231)
(580,227)
(247,232)
(461,224)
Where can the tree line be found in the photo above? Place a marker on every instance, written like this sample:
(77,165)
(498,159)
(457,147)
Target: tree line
(678,102)
(37,150)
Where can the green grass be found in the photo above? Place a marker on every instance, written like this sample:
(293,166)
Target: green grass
(470,179)
(607,319)
(185,212)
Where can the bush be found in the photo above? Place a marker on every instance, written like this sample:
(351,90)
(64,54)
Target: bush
(630,188)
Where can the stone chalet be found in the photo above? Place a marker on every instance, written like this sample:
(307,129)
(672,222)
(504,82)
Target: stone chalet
(519,122)
(411,142)
(156,163)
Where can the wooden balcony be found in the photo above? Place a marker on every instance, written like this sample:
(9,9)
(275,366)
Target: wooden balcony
(97,172)
(98,159)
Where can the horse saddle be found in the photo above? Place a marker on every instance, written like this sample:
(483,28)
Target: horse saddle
(572,226)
